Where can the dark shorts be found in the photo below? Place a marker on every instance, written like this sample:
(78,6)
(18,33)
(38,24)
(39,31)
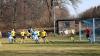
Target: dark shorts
(87,35)
(38,36)
(43,36)
(14,37)
(29,36)
(22,37)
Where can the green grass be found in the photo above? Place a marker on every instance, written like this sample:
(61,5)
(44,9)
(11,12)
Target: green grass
(56,46)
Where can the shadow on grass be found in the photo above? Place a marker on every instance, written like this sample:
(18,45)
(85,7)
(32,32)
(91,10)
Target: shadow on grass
(53,42)
(58,42)
(72,42)
(43,53)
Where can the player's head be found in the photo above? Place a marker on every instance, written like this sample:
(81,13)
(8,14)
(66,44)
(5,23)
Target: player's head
(13,29)
(43,30)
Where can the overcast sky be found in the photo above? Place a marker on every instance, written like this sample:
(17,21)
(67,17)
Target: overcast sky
(84,5)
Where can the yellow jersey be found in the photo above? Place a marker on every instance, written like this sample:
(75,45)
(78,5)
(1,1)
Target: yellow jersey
(13,33)
(38,32)
(22,33)
(28,34)
(44,33)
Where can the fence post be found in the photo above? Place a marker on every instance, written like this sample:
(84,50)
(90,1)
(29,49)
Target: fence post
(80,34)
(93,29)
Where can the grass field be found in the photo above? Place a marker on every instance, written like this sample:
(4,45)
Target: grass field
(56,46)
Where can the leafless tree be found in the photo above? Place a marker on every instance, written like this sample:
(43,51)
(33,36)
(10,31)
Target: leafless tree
(26,13)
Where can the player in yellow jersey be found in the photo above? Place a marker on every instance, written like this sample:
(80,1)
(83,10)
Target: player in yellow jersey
(22,36)
(28,34)
(43,36)
(38,32)
(13,34)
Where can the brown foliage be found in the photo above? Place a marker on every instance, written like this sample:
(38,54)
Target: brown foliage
(26,13)
(92,12)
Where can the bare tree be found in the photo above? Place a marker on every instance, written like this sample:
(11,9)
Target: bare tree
(26,13)
(92,12)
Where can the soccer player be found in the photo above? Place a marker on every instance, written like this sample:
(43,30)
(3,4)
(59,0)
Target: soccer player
(38,32)
(72,37)
(30,30)
(10,38)
(22,36)
(13,34)
(72,34)
(43,36)
(35,36)
(88,34)
(28,34)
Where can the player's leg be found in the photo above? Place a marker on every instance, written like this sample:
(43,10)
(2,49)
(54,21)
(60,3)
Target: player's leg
(44,40)
(37,40)
(10,40)
(14,38)
(22,39)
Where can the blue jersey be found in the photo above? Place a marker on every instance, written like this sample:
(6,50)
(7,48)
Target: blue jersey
(9,34)
(35,35)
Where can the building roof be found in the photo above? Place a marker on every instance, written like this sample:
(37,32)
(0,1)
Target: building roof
(76,19)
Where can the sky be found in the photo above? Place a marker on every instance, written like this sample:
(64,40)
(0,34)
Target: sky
(83,6)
